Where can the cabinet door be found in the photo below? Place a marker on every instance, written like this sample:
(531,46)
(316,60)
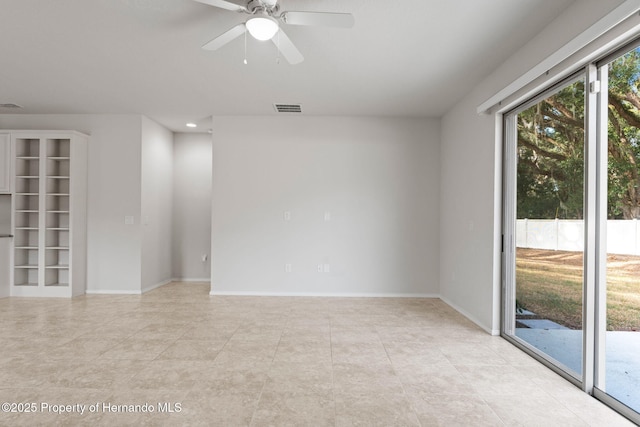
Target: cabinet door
(5,163)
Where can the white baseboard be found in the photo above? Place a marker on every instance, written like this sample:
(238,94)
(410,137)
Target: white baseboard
(157,285)
(191,279)
(126,292)
(470,317)
(111,292)
(321,294)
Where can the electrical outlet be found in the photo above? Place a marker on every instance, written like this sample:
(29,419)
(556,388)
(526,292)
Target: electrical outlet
(287,215)
(287,268)
(327,216)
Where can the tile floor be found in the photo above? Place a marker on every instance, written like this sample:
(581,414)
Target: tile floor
(271,361)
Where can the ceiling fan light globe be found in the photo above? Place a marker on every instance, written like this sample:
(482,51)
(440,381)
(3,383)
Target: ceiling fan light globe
(262,28)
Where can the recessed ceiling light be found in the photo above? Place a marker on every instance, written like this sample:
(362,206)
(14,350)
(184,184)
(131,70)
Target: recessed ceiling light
(192,125)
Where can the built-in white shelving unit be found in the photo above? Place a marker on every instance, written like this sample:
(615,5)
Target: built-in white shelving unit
(49,214)
(5,163)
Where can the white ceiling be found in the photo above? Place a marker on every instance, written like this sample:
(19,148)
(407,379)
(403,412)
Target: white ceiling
(402,58)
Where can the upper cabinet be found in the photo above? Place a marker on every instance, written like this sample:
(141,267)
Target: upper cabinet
(5,163)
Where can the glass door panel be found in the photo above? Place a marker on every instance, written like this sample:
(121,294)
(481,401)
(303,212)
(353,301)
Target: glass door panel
(621,376)
(549,230)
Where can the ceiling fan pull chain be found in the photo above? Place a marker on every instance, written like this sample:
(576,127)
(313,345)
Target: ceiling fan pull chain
(245,48)
(278,49)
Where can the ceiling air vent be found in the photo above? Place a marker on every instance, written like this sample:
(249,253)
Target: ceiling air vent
(9,106)
(288,108)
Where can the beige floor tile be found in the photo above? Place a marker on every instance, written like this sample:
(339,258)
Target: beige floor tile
(34,371)
(257,335)
(461,354)
(415,354)
(137,349)
(303,352)
(298,333)
(366,409)
(227,409)
(453,410)
(28,347)
(591,411)
(351,334)
(351,373)
(106,374)
(288,408)
(532,410)
(510,353)
(300,378)
(235,356)
(161,330)
(210,330)
(83,348)
(193,350)
(222,380)
(169,375)
(240,361)
(490,380)
(117,329)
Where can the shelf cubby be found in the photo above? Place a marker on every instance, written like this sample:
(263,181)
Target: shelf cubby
(27,184)
(27,219)
(25,277)
(58,148)
(26,258)
(57,185)
(26,202)
(57,202)
(27,148)
(57,220)
(56,277)
(58,166)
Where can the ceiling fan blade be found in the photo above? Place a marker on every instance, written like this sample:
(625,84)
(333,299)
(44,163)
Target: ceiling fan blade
(224,5)
(225,38)
(287,48)
(324,19)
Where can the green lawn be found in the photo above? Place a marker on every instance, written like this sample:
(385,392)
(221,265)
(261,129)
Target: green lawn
(549,283)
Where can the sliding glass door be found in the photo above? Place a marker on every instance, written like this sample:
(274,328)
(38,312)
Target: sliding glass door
(571,229)
(619,332)
(549,135)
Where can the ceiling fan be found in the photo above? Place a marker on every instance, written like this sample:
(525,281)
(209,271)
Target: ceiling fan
(264,24)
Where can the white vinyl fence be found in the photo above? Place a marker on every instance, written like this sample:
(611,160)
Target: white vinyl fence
(623,236)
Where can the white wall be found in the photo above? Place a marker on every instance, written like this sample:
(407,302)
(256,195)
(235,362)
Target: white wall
(378,178)
(470,162)
(191,206)
(156,204)
(114,249)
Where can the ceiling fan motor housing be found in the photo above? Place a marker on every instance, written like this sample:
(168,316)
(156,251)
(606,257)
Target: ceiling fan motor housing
(270,7)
